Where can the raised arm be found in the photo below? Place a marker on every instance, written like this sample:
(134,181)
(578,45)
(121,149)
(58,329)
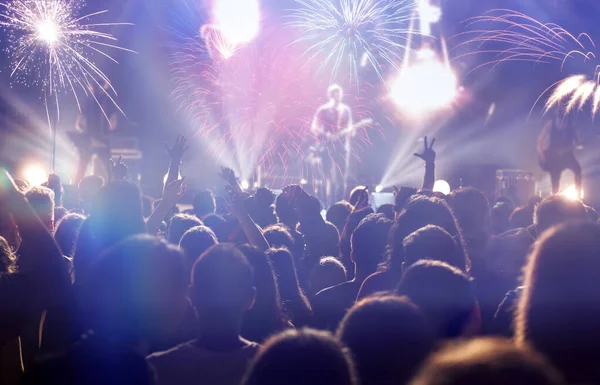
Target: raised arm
(176,153)
(251,230)
(171,196)
(428,155)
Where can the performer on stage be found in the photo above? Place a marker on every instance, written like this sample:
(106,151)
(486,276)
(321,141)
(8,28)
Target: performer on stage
(332,120)
(556,146)
(93,129)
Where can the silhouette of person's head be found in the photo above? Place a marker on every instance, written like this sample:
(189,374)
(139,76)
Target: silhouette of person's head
(445,296)
(204,203)
(335,93)
(389,338)
(302,357)
(88,188)
(522,217)
(369,242)
(42,201)
(279,236)
(558,209)
(387,209)
(136,290)
(222,288)
(285,211)
(327,273)
(179,224)
(67,231)
(471,209)
(560,307)
(356,194)
(218,225)
(195,242)
(486,361)
(338,214)
(432,242)
(419,212)
(7,258)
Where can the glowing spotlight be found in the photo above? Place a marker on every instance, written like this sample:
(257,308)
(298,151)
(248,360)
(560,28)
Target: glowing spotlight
(378,188)
(35,175)
(425,87)
(48,32)
(238,20)
(303,182)
(441,186)
(245,184)
(571,193)
(256,185)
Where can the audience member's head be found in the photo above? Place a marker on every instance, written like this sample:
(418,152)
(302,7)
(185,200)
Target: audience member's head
(501,217)
(285,211)
(136,291)
(471,209)
(522,217)
(266,316)
(88,188)
(218,225)
(356,193)
(67,232)
(279,236)
(419,212)
(204,203)
(338,214)
(42,201)
(388,337)
(432,242)
(327,273)
(559,311)
(387,209)
(369,242)
(557,209)
(487,361)
(179,224)
(222,288)
(7,258)
(302,357)
(445,296)
(195,242)
(294,300)
(59,214)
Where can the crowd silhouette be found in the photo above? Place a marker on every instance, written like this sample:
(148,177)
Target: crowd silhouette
(259,289)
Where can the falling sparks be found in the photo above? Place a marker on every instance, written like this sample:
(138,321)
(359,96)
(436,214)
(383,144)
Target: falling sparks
(51,46)
(352,32)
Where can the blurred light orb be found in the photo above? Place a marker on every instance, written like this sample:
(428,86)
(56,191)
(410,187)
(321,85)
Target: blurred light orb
(378,188)
(35,175)
(425,87)
(442,186)
(245,185)
(303,181)
(571,193)
(238,20)
(48,32)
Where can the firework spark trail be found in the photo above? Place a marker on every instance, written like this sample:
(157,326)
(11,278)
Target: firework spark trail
(530,40)
(52,47)
(369,31)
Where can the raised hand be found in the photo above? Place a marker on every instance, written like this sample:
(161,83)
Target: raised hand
(428,154)
(177,151)
(119,169)
(228,175)
(174,192)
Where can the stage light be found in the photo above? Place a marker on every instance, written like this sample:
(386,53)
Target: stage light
(303,182)
(378,188)
(571,193)
(35,175)
(442,186)
(245,184)
(238,20)
(424,87)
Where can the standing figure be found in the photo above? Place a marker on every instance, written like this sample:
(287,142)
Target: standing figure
(556,146)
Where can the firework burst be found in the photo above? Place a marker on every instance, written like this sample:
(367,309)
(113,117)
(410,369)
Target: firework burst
(52,47)
(518,37)
(354,32)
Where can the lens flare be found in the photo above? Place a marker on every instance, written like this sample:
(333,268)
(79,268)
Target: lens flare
(571,193)
(238,20)
(35,175)
(442,186)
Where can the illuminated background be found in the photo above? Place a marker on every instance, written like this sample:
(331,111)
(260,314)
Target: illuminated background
(489,127)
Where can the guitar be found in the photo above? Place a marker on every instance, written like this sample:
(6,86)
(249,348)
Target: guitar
(323,139)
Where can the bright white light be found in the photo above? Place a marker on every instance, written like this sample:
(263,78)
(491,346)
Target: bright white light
(441,186)
(245,184)
(48,32)
(425,87)
(35,175)
(303,181)
(571,193)
(378,188)
(256,185)
(428,14)
(238,20)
